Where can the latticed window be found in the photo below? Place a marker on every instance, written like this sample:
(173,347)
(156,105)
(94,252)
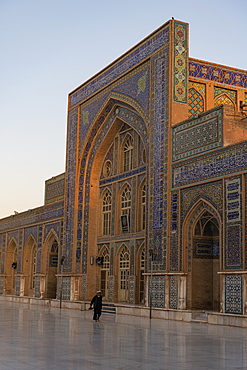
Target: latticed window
(126,201)
(106,209)
(128,154)
(143,207)
(124,264)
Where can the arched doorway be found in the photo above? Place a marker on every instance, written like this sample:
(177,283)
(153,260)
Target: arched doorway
(29,266)
(201,244)
(11,268)
(205,264)
(51,291)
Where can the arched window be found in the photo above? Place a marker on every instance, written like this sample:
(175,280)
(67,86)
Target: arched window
(106,210)
(128,154)
(125,208)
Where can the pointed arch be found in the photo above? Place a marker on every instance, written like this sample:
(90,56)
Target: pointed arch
(201,238)
(224,99)
(10,267)
(102,134)
(29,265)
(46,249)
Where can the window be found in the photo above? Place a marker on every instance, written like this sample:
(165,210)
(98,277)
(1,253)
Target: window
(126,203)
(128,154)
(124,264)
(106,209)
(107,170)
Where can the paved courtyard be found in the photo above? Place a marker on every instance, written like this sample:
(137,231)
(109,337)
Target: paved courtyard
(39,337)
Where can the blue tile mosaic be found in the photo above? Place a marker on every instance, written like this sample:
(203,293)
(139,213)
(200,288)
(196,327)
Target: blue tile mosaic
(197,135)
(217,73)
(223,162)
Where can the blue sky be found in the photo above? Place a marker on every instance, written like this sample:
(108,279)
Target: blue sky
(49,47)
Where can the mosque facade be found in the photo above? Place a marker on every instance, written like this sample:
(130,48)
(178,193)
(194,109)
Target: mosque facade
(152,206)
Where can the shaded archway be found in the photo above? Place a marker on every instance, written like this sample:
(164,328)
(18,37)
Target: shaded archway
(29,265)
(50,265)
(205,263)
(201,243)
(11,268)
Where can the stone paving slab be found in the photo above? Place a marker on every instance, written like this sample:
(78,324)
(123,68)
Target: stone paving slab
(39,337)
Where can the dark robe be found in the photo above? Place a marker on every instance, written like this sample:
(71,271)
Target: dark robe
(96,302)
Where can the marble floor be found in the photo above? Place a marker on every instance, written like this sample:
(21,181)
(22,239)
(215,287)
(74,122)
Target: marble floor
(39,337)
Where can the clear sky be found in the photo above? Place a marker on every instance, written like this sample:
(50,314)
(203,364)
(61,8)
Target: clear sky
(49,47)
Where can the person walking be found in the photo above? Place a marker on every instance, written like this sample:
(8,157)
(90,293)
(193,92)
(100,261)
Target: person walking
(96,304)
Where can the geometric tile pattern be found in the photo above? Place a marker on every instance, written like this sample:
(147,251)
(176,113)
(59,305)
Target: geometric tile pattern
(111,288)
(173,303)
(158,291)
(233,294)
(213,73)
(66,287)
(180,62)
(37,287)
(200,135)
(131,289)
(195,101)
(17,285)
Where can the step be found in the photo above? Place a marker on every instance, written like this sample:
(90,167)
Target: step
(108,307)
